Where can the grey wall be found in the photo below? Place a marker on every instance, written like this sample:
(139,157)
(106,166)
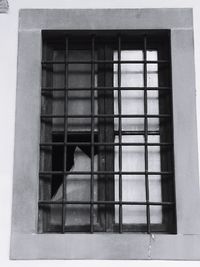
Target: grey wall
(3,6)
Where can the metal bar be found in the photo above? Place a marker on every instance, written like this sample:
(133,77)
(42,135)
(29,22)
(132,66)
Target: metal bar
(43,116)
(173,219)
(133,203)
(146,135)
(46,62)
(74,132)
(47,173)
(92,136)
(65,136)
(46,135)
(47,89)
(104,144)
(115,132)
(137,132)
(120,135)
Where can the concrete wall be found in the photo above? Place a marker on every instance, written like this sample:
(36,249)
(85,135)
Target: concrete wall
(8,63)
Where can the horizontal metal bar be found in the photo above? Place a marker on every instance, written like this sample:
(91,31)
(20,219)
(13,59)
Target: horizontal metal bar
(131,227)
(137,132)
(88,133)
(108,116)
(44,173)
(47,62)
(103,144)
(149,203)
(47,89)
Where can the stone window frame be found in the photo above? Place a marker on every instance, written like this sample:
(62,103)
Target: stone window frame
(186,243)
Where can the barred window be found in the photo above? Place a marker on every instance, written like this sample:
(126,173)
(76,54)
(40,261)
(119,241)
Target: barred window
(106,151)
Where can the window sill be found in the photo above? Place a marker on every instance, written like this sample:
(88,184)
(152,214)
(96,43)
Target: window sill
(106,246)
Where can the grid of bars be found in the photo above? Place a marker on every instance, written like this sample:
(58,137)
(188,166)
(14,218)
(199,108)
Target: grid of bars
(120,132)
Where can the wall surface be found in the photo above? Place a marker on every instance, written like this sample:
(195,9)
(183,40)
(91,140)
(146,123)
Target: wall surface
(8,70)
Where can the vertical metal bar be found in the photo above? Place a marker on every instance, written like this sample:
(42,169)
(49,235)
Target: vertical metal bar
(173,221)
(46,135)
(146,137)
(109,138)
(92,135)
(101,138)
(65,133)
(120,134)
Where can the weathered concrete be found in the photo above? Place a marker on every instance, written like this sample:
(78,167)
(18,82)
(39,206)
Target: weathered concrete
(3,6)
(27,132)
(103,19)
(185,131)
(106,246)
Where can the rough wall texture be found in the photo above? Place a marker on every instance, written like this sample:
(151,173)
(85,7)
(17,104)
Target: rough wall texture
(3,6)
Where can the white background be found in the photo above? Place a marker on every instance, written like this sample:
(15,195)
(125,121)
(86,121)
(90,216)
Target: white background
(8,69)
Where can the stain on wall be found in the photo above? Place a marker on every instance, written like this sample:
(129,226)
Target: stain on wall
(4,6)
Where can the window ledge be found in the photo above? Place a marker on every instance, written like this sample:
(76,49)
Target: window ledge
(106,246)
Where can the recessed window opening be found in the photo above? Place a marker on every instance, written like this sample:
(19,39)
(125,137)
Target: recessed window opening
(106,151)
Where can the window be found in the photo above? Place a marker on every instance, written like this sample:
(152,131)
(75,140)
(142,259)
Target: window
(155,67)
(106,133)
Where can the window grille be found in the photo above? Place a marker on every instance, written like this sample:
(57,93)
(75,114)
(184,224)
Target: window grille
(106,151)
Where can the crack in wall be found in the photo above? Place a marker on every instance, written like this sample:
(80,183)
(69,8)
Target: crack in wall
(151,240)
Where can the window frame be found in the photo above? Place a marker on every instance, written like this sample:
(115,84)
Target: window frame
(186,244)
(104,43)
